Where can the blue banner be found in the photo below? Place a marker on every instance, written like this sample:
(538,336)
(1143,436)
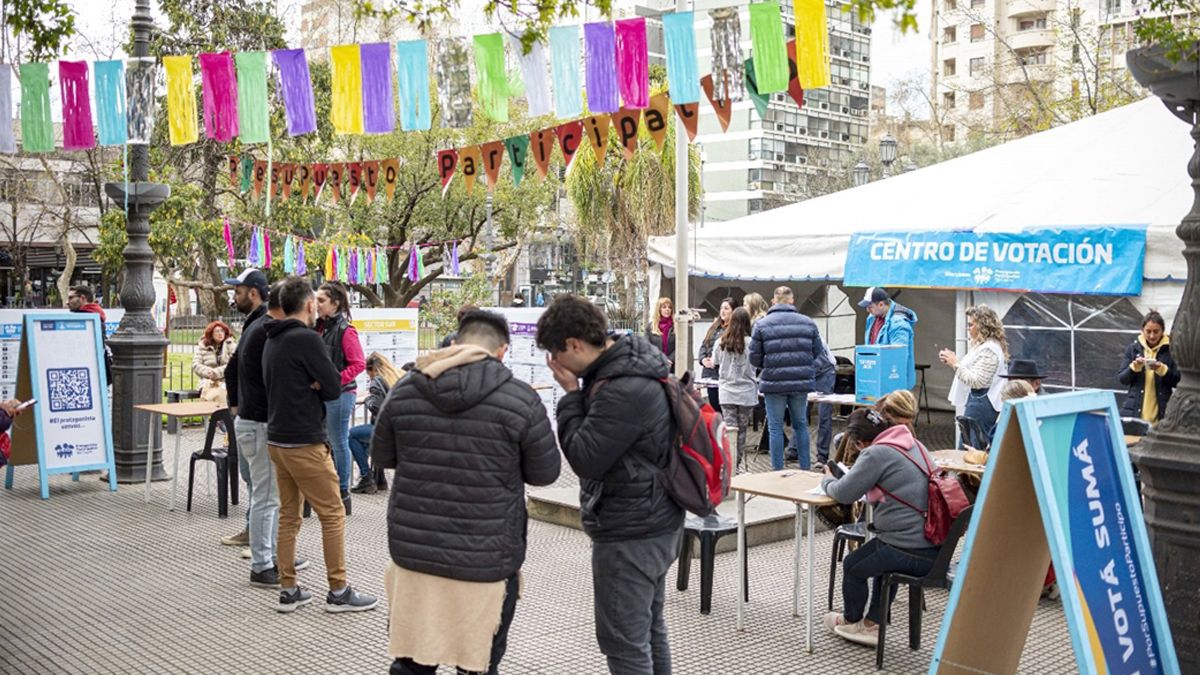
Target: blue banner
(1099,260)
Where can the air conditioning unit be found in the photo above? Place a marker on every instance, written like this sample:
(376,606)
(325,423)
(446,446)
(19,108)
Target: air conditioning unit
(824,105)
(824,134)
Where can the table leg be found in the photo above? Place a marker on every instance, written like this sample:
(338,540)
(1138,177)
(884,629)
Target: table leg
(796,564)
(741,563)
(812,535)
(175,476)
(149,453)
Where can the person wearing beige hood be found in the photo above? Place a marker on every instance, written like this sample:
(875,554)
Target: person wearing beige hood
(464,437)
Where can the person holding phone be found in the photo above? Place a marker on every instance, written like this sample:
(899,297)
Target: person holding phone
(1151,375)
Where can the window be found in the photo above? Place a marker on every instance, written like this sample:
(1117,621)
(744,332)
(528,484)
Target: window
(976,4)
(951,5)
(977,32)
(1031,24)
(950,35)
(948,67)
(976,66)
(948,99)
(1033,58)
(976,100)
(948,132)
(1075,53)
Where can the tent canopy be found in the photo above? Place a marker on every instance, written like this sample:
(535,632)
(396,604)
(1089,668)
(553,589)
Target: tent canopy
(1126,166)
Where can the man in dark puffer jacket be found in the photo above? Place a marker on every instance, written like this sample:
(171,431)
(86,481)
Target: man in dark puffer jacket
(464,436)
(614,431)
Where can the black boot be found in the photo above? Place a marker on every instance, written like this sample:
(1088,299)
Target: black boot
(366,485)
(380,480)
(346,501)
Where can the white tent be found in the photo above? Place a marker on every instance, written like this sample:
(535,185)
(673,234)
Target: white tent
(1123,167)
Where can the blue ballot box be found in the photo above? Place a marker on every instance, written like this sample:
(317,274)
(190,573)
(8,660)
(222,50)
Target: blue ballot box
(878,370)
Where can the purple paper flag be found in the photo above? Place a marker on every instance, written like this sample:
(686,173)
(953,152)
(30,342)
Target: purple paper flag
(296,88)
(633,65)
(600,54)
(78,133)
(220,96)
(354,268)
(454,259)
(301,267)
(252,254)
(412,264)
(379,115)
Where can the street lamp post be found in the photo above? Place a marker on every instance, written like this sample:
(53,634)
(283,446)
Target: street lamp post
(137,345)
(887,153)
(862,174)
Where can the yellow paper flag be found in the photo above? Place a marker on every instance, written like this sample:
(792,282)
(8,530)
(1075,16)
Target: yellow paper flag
(347,109)
(181,100)
(812,44)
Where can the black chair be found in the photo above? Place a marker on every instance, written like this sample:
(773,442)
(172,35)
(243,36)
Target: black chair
(708,530)
(225,461)
(842,536)
(971,433)
(939,577)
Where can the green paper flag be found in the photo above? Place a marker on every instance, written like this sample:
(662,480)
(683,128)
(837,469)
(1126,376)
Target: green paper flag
(518,155)
(493,82)
(37,131)
(252,96)
(760,101)
(420,263)
(247,173)
(771,70)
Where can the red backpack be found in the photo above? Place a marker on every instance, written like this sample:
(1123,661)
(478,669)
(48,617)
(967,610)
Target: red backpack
(946,498)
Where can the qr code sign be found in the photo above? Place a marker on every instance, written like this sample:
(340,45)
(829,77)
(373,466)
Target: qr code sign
(70,389)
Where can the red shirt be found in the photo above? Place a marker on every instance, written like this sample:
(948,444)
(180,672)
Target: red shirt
(876,327)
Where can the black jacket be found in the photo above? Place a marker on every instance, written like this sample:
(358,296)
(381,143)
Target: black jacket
(1164,385)
(377,391)
(656,340)
(232,376)
(787,346)
(599,426)
(463,445)
(293,359)
(707,347)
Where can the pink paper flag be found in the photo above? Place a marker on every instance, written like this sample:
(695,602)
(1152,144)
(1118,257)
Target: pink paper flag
(266,249)
(229,243)
(220,96)
(633,65)
(76,107)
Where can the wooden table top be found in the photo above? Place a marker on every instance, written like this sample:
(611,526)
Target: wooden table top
(952,460)
(183,409)
(1133,440)
(789,485)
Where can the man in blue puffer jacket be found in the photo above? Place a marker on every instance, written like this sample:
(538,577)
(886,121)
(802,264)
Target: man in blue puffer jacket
(787,346)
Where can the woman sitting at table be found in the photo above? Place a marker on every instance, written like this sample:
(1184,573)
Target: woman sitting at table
(979,375)
(899,407)
(383,376)
(210,358)
(886,472)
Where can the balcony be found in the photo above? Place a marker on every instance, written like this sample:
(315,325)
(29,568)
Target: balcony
(1020,8)
(1031,39)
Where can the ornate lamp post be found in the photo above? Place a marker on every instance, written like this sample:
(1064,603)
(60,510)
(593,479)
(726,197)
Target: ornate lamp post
(862,174)
(1169,457)
(887,153)
(137,344)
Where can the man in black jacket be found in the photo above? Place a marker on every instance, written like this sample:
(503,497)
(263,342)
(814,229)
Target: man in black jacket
(464,437)
(617,432)
(299,378)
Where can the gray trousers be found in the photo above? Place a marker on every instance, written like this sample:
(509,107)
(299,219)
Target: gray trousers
(628,585)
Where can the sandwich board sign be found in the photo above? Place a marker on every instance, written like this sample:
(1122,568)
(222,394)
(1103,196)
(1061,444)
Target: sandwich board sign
(69,428)
(1059,486)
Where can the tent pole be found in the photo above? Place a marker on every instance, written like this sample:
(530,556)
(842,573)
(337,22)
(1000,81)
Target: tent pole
(961,340)
(683,333)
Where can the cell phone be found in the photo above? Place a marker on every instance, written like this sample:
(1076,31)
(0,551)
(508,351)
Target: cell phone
(27,404)
(835,468)
(1151,362)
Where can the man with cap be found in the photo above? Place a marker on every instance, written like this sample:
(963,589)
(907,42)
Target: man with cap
(890,323)
(1025,369)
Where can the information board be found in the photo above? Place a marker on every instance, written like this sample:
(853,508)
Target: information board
(1059,486)
(525,360)
(389,331)
(61,365)
(11,323)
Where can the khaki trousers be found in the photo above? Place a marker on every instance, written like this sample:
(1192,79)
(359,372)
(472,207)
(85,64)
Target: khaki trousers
(307,473)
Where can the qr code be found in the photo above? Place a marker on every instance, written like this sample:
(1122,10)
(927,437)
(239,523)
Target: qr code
(70,389)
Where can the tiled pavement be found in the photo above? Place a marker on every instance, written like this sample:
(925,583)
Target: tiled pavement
(99,582)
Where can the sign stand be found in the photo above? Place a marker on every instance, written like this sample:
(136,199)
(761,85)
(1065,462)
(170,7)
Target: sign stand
(69,429)
(1059,487)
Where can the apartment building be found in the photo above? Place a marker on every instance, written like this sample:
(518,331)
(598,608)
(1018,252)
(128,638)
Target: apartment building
(1116,29)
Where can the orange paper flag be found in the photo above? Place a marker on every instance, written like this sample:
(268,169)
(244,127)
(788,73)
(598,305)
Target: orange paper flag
(354,174)
(723,107)
(626,123)
(447,160)
(304,173)
(570,135)
(656,118)
(260,175)
(390,175)
(472,164)
(336,171)
(542,146)
(371,179)
(320,176)
(596,128)
(689,114)
(288,173)
(493,157)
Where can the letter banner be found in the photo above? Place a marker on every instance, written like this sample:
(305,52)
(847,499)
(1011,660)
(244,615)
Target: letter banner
(1092,260)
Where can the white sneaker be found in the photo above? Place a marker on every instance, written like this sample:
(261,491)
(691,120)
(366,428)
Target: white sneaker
(833,620)
(859,633)
(246,553)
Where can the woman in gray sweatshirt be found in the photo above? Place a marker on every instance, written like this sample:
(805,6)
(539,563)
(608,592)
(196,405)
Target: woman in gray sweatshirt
(887,473)
(738,388)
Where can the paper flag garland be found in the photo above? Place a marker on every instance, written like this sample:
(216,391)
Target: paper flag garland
(110,101)
(724,109)
(371,179)
(76,106)
(379,116)
(472,163)
(381,266)
(219,87)
(140,74)
(420,263)
(266,237)
(600,54)
(656,118)
(760,100)
(301,265)
(181,100)
(682,73)
(289,256)
(564,65)
(352,267)
(330,261)
(229,243)
(543,147)
(726,54)
(390,174)
(37,131)
(533,72)
(454,260)
(447,161)
(493,157)
(346,111)
(518,154)
(454,83)
(288,172)
(570,135)
(794,88)
(252,254)
(8,140)
(689,114)
(354,178)
(633,65)
(770,50)
(626,123)
(334,181)
(339,266)
(253,124)
(412,80)
(295,87)
(412,264)
(812,44)
(493,83)
(596,128)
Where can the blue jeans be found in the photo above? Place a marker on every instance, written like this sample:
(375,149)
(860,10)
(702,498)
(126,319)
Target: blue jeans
(337,427)
(825,418)
(360,447)
(263,513)
(979,408)
(797,405)
(868,563)
(244,472)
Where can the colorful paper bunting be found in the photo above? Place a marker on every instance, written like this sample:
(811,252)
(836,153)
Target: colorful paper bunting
(412,84)
(252,112)
(454,83)
(596,129)
(447,162)
(543,147)
(390,175)
(289,256)
(301,263)
(518,154)
(412,264)
(812,43)
(266,237)
(472,163)
(454,260)
(770,50)
(295,88)
(346,95)
(304,173)
(37,131)
(352,267)
(353,178)
(370,179)
(247,173)
(600,52)
(76,106)
(682,73)
(288,174)
(726,39)
(8,140)
(570,135)
(228,242)
(140,75)
(219,86)
(656,118)
(633,65)
(564,65)
(334,181)
(794,88)
(626,123)
(760,100)
(330,262)
(724,109)
(493,157)
(493,83)
(110,102)
(689,114)
(181,100)
(379,115)
(533,72)
(381,266)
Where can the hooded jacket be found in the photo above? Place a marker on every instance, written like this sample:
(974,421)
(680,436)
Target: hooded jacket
(621,410)
(787,346)
(293,359)
(244,375)
(898,328)
(1164,384)
(464,437)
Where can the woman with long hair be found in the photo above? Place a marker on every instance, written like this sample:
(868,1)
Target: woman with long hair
(899,407)
(738,387)
(756,305)
(1151,374)
(708,366)
(978,375)
(212,354)
(382,375)
(341,338)
(662,328)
